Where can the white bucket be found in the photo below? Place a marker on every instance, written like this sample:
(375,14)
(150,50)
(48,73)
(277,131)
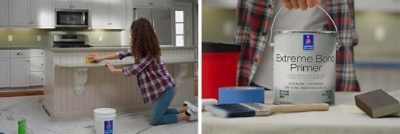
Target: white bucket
(304,65)
(104,120)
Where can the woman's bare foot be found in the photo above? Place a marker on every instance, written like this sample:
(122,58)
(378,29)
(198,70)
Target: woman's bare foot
(183,117)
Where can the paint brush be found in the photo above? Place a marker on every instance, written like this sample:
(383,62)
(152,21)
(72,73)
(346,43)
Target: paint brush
(259,109)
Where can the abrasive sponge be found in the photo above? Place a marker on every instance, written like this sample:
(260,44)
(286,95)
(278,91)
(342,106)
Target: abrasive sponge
(377,103)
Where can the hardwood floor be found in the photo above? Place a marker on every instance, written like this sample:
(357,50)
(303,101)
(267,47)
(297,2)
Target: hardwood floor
(14,92)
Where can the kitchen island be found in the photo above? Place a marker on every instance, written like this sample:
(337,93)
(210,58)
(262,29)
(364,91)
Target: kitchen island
(73,87)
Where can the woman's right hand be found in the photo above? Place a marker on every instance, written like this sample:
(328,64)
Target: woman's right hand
(96,58)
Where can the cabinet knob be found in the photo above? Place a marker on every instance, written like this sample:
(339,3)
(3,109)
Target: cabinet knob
(151,3)
(27,60)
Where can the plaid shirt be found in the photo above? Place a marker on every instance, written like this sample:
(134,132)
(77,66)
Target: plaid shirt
(254,22)
(153,77)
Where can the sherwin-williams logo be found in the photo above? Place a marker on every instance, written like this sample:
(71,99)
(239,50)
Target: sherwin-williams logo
(108,127)
(308,42)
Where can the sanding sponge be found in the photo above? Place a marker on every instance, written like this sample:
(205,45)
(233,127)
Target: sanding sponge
(377,103)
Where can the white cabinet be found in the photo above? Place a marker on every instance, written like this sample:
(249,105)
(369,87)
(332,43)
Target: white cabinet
(19,68)
(36,78)
(151,3)
(108,14)
(36,64)
(71,4)
(20,12)
(36,75)
(30,13)
(4,68)
(3,12)
(42,14)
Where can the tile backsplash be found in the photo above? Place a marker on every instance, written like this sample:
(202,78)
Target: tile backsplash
(24,37)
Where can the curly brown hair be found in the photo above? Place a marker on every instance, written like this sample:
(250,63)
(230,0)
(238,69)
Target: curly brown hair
(144,42)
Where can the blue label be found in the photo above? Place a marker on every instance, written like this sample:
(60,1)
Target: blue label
(308,42)
(108,127)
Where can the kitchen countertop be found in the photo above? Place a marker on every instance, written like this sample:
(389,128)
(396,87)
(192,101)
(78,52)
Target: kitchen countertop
(22,47)
(102,64)
(108,48)
(84,48)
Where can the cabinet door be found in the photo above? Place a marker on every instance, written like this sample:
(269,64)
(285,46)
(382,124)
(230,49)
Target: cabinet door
(41,14)
(63,4)
(79,4)
(36,64)
(20,12)
(19,72)
(99,13)
(36,78)
(117,14)
(162,25)
(4,72)
(3,12)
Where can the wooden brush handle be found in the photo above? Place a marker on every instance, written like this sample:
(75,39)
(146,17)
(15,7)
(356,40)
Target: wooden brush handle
(300,108)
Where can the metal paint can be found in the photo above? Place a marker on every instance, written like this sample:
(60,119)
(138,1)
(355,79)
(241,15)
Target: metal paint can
(304,66)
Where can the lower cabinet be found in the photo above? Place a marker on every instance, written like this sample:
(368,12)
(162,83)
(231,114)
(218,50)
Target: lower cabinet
(4,72)
(21,68)
(19,72)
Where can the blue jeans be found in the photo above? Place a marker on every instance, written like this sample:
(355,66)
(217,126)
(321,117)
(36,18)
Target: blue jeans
(161,114)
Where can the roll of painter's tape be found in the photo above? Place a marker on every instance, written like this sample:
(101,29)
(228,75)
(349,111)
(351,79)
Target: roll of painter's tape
(233,95)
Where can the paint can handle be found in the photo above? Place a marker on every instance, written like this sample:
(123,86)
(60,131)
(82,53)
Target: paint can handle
(338,43)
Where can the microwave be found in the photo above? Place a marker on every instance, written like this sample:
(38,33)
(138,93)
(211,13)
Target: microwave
(72,18)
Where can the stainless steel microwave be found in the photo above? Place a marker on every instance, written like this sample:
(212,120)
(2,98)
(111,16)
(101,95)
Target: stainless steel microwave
(72,18)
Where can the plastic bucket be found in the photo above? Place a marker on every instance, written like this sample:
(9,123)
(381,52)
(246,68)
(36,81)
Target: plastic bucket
(104,120)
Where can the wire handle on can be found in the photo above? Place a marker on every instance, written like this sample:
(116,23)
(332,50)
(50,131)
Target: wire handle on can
(338,44)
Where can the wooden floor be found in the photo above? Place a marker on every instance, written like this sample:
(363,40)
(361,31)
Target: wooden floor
(14,92)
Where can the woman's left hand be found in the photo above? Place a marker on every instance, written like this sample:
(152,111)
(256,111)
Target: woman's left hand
(112,68)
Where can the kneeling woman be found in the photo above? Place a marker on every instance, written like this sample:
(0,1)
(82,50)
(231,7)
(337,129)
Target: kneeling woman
(155,83)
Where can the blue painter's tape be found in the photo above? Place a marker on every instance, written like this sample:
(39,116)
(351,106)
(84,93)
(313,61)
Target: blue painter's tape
(233,95)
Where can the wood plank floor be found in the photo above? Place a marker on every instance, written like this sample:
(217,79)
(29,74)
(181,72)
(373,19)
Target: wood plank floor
(14,92)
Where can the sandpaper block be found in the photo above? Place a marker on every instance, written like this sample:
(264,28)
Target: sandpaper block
(377,103)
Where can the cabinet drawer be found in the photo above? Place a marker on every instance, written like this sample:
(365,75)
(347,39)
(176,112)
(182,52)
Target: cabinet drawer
(5,53)
(36,52)
(36,78)
(36,63)
(19,53)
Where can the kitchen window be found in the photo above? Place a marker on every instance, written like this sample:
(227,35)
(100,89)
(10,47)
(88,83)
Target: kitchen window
(182,24)
(179,28)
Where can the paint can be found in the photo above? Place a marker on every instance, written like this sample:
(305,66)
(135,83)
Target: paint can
(304,65)
(104,120)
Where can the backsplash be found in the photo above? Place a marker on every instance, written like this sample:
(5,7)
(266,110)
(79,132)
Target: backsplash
(23,37)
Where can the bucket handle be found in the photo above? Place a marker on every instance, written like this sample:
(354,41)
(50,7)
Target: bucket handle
(338,43)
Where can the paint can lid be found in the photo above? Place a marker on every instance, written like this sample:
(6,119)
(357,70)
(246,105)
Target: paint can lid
(105,111)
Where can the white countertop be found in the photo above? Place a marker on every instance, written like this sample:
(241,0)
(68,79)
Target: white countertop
(55,49)
(116,63)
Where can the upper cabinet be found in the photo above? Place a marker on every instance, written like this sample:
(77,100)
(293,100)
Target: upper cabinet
(71,4)
(108,14)
(30,13)
(20,12)
(3,12)
(151,3)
